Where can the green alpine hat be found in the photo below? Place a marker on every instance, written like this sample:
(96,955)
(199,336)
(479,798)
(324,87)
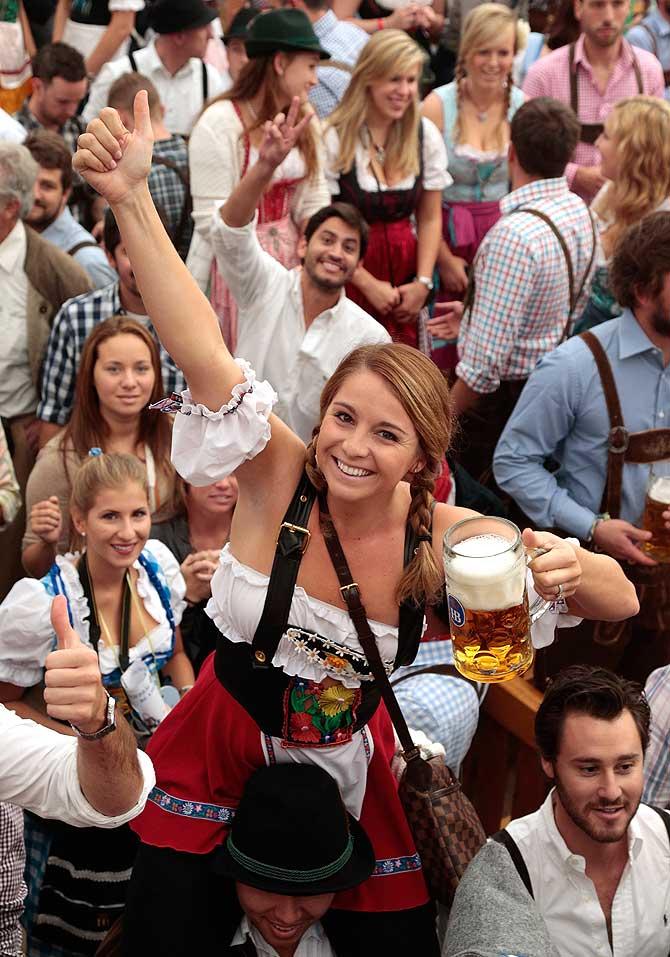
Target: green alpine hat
(284,29)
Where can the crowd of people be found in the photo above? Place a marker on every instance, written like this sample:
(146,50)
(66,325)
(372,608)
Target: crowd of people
(290,290)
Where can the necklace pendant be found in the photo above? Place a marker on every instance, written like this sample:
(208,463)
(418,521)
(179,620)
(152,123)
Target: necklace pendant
(380,152)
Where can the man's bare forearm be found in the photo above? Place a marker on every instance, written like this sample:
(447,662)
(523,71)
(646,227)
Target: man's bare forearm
(240,207)
(109,772)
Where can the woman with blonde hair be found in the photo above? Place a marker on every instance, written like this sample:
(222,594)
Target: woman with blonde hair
(283,53)
(635,148)
(474,113)
(391,164)
(119,376)
(289,680)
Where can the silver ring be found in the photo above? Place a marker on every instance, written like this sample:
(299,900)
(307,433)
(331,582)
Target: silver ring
(559,592)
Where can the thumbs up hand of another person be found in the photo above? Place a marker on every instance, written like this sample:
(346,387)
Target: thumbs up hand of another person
(74,690)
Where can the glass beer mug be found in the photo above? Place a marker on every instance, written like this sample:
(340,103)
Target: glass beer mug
(489,615)
(656,502)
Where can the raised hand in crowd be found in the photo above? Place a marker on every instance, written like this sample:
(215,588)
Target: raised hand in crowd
(197,570)
(46,520)
(621,539)
(73,689)
(281,135)
(446,320)
(559,565)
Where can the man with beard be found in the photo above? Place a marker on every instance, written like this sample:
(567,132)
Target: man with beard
(295,326)
(50,215)
(590,76)
(599,407)
(653,34)
(593,858)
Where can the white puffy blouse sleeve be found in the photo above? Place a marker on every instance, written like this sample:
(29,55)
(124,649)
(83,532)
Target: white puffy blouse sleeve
(26,635)
(208,446)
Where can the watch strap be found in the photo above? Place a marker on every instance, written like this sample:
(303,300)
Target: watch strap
(107,728)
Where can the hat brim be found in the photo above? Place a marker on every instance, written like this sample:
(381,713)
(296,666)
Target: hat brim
(203,20)
(358,868)
(264,47)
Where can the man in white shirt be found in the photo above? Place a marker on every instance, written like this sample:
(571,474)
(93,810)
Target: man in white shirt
(596,861)
(96,779)
(294,326)
(172,61)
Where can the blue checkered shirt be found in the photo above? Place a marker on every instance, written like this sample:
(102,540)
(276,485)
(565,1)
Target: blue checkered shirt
(522,294)
(657,759)
(169,190)
(445,708)
(344,41)
(76,319)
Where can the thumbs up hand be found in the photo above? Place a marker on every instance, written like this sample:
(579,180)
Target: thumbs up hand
(73,689)
(113,160)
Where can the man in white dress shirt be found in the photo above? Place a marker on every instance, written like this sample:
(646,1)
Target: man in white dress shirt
(596,861)
(294,326)
(95,779)
(172,61)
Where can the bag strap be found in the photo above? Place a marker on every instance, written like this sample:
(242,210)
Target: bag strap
(505,838)
(418,770)
(617,443)
(292,542)
(450,671)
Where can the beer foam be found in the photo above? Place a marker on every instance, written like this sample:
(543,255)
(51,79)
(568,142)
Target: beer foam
(486,574)
(659,490)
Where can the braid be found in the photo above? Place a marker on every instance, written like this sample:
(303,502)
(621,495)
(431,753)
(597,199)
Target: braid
(460,74)
(314,473)
(506,105)
(422,579)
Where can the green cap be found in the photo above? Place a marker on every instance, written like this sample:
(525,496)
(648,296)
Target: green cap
(284,29)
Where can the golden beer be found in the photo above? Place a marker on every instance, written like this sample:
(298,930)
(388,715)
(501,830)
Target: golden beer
(657,502)
(489,615)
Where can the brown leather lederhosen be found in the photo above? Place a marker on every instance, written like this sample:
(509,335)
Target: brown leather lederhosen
(603,642)
(591,131)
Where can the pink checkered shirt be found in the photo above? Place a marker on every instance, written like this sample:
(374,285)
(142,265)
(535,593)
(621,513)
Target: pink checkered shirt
(550,76)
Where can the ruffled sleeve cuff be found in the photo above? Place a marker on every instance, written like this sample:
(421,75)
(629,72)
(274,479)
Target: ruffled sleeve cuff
(208,446)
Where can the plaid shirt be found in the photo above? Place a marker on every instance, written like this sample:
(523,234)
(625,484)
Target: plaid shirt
(12,887)
(657,759)
(76,319)
(168,189)
(522,294)
(70,130)
(344,42)
(550,76)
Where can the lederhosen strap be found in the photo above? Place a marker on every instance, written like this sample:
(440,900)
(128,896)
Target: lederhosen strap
(133,62)
(83,245)
(651,445)
(591,131)
(187,206)
(292,542)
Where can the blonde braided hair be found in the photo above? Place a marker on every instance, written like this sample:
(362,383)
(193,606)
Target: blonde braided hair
(422,391)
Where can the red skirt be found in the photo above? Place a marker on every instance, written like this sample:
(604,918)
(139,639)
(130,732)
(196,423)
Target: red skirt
(205,751)
(396,263)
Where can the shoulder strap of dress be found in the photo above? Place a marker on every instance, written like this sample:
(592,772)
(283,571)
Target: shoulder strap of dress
(161,589)
(292,542)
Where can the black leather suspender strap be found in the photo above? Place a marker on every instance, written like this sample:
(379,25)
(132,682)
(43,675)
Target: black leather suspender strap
(292,542)
(591,131)
(133,62)
(505,838)
(418,770)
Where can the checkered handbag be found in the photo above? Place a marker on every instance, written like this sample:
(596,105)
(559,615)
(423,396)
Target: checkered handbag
(446,829)
(445,826)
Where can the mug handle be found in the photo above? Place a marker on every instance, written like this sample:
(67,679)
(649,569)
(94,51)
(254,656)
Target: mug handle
(540,605)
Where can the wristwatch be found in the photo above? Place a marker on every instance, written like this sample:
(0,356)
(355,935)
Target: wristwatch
(602,517)
(427,282)
(107,728)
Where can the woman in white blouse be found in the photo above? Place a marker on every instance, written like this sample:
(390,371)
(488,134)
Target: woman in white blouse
(391,164)
(225,141)
(125,599)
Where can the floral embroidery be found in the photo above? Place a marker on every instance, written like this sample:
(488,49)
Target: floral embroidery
(336,658)
(193,809)
(396,865)
(316,715)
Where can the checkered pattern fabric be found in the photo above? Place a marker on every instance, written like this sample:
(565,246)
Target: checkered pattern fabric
(12,887)
(344,42)
(167,187)
(77,318)
(446,709)
(657,758)
(522,291)
(70,131)
(550,76)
